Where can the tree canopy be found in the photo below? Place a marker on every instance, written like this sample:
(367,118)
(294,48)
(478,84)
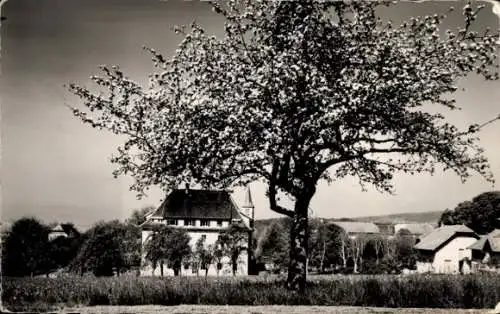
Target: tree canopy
(106,248)
(138,216)
(170,245)
(293,93)
(481,214)
(26,249)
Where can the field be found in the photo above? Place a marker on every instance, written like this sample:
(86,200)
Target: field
(268,309)
(413,291)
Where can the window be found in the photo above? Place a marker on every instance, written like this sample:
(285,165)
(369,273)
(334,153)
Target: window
(189,222)
(219,223)
(203,237)
(205,223)
(172,222)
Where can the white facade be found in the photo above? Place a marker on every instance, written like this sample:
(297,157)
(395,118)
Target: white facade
(210,239)
(447,259)
(197,227)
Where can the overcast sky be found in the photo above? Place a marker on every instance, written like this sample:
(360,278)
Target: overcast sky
(57,169)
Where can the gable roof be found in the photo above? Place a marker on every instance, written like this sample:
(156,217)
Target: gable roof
(440,236)
(68,229)
(415,228)
(492,239)
(193,204)
(357,226)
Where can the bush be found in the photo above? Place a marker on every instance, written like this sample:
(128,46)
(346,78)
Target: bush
(439,291)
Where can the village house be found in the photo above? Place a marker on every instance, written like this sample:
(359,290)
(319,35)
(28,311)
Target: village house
(62,230)
(486,251)
(446,250)
(203,214)
(356,228)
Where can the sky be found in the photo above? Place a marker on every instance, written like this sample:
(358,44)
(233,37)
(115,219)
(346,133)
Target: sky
(57,169)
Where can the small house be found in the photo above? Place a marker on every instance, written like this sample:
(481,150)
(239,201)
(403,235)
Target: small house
(446,250)
(486,250)
(63,230)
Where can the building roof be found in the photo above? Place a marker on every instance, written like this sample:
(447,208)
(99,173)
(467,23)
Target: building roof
(68,229)
(416,228)
(440,236)
(357,226)
(196,204)
(492,239)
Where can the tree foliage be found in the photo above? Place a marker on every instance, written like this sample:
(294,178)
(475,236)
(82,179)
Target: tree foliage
(63,250)
(107,248)
(167,244)
(233,242)
(274,245)
(138,216)
(293,93)
(480,214)
(204,254)
(26,249)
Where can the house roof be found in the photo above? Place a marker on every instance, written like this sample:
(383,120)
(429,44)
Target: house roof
(357,226)
(191,203)
(416,228)
(440,236)
(69,229)
(493,239)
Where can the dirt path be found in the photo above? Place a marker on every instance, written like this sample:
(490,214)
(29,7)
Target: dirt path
(202,309)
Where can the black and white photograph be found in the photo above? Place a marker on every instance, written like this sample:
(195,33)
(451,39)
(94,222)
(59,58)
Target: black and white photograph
(249,156)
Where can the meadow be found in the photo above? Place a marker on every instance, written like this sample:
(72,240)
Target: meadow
(411,291)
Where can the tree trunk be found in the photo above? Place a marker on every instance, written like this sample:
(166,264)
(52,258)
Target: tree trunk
(344,258)
(161,268)
(297,268)
(321,264)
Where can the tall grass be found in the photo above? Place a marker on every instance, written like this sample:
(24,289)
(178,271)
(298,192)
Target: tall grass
(438,291)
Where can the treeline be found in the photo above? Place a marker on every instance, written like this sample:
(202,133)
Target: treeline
(112,248)
(105,249)
(331,250)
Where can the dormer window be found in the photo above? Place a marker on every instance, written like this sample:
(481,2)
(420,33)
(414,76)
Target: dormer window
(219,223)
(205,223)
(172,222)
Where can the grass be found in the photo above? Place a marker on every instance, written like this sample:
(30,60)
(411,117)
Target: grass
(415,291)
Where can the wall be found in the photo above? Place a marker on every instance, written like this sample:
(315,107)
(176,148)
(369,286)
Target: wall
(446,260)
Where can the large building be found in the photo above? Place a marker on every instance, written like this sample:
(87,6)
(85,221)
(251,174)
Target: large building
(203,214)
(446,250)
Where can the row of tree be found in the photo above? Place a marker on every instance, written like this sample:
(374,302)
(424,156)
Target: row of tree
(106,248)
(332,249)
(171,246)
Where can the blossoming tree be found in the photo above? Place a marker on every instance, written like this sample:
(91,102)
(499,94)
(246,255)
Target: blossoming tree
(292,94)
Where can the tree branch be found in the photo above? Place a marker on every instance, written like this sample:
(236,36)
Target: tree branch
(272,193)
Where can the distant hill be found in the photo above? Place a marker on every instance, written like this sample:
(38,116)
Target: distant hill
(431,217)
(423,217)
